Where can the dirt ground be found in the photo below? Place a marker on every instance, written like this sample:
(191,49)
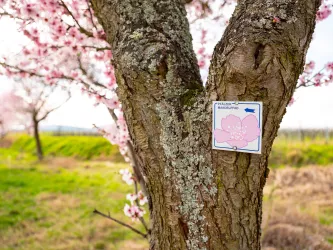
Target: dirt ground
(298,209)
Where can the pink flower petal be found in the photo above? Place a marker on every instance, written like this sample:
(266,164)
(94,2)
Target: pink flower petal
(238,144)
(250,128)
(231,123)
(221,135)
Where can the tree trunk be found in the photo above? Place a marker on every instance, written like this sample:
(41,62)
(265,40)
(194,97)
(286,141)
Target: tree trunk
(202,198)
(39,149)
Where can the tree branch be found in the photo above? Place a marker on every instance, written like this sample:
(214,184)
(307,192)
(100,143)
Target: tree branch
(120,223)
(63,77)
(305,85)
(51,110)
(83,30)
(142,220)
(84,72)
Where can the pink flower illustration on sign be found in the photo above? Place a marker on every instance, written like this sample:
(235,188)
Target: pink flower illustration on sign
(236,132)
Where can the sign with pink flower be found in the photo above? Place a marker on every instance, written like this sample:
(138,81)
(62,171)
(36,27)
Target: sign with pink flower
(237,126)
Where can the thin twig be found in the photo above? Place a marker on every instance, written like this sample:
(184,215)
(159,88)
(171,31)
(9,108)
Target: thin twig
(91,15)
(142,220)
(85,72)
(63,77)
(120,223)
(113,115)
(310,80)
(82,30)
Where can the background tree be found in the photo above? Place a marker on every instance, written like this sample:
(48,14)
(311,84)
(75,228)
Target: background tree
(8,117)
(38,101)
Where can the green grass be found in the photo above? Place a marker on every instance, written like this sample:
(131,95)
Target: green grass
(81,147)
(330,240)
(326,216)
(285,152)
(49,206)
(297,153)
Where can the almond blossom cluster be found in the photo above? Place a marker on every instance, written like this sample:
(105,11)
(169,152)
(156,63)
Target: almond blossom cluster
(127,176)
(325,10)
(137,200)
(62,41)
(317,79)
(133,212)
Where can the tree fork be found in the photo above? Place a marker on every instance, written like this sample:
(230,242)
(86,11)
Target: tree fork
(202,198)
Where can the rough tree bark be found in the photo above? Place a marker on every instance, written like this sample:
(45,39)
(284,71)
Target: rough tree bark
(201,198)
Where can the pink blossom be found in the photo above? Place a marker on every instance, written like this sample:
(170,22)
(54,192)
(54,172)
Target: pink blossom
(127,176)
(73,32)
(142,198)
(309,66)
(2,2)
(201,63)
(318,77)
(60,30)
(236,132)
(133,212)
(301,80)
(111,103)
(329,66)
(30,10)
(323,12)
(131,197)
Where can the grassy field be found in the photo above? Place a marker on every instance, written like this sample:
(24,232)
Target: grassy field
(291,152)
(80,147)
(299,153)
(48,205)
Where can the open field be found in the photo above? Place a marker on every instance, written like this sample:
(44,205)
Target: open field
(299,153)
(48,205)
(298,209)
(80,147)
(286,151)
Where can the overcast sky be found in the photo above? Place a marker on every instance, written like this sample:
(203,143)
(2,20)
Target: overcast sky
(312,109)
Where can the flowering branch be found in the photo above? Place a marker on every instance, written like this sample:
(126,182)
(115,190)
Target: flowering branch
(142,220)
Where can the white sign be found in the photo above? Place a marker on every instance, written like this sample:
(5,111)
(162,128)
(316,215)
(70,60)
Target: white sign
(237,126)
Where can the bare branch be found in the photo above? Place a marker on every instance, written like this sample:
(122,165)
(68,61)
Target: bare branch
(51,110)
(84,72)
(83,30)
(5,13)
(113,115)
(120,223)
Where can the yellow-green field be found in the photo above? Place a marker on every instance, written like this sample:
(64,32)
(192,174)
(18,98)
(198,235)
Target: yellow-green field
(48,205)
